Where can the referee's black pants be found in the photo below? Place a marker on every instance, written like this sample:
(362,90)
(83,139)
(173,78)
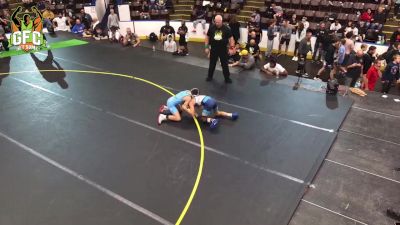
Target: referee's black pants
(222,54)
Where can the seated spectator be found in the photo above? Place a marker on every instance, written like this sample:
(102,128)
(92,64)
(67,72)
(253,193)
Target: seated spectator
(351,27)
(378,19)
(27,4)
(48,17)
(253,35)
(160,4)
(78,27)
(246,60)
(336,26)
(395,37)
(372,76)
(4,4)
(253,48)
(61,23)
(131,38)
(274,69)
(87,33)
(235,57)
(99,33)
(396,13)
(114,35)
(255,17)
(152,4)
(391,74)
(199,17)
(145,11)
(113,20)
(170,44)
(4,42)
(86,19)
(366,18)
(166,30)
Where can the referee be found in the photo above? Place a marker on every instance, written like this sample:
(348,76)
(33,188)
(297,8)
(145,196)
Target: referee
(218,37)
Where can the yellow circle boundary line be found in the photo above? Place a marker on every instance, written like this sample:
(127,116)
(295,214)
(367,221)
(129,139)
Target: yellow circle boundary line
(201,166)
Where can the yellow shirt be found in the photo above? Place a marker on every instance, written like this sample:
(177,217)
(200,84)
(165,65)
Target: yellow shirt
(47,14)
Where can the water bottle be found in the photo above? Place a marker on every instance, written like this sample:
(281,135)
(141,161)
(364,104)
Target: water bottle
(358,84)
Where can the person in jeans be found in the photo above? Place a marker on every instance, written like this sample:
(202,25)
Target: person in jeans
(390,74)
(304,49)
(300,35)
(285,34)
(321,34)
(271,36)
(199,17)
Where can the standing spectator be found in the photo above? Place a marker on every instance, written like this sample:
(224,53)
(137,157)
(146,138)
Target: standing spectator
(372,76)
(349,43)
(390,74)
(285,34)
(218,36)
(4,42)
(86,19)
(253,48)
(368,59)
(199,17)
(329,59)
(246,61)
(166,30)
(364,48)
(113,20)
(355,67)
(235,27)
(336,26)
(170,44)
(321,34)
(379,19)
(60,23)
(48,16)
(366,18)
(395,37)
(160,4)
(293,22)
(304,49)
(351,27)
(305,23)
(300,35)
(271,36)
(182,31)
(78,27)
(131,38)
(274,69)
(236,56)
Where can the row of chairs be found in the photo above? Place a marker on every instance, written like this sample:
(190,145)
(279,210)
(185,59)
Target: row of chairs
(154,14)
(332,6)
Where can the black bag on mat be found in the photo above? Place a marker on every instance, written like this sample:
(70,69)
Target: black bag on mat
(332,87)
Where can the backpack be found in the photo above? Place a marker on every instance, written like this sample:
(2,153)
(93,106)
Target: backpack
(153,37)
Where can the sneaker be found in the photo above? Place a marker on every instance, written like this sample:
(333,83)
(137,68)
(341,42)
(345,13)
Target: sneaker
(235,116)
(384,96)
(162,108)
(228,81)
(305,75)
(214,123)
(161,118)
(208,79)
(295,58)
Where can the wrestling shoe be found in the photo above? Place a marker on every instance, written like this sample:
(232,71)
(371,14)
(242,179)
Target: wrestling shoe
(235,116)
(161,118)
(162,109)
(214,123)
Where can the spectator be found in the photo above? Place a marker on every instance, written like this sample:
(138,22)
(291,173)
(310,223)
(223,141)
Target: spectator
(114,35)
(372,76)
(3,4)
(366,18)
(254,50)
(235,27)
(351,27)
(113,20)
(394,50)
(170,44)
(87,33)
(390,74)
(396,9)
(60,23)
(321,33)
(199,17)
(329,59)
(48,16)
(131,39)
(379,19)
(274,69)
(349,43)
(78,27)
(271,36)
(86,19)
(395,37)
(236,56)
(152,4)
(336,26)
(145,12)
(4,42)
(304,49)
(285,34)
(182,31)
(99,33)
(300,35)
(368,59)
(253,35)
(255,17)
(278,17)
(166,30)
(246,61)
(364,48)
(371,36)
(305,23)
(342,53)
(160,4)
(355,67)
(293,22)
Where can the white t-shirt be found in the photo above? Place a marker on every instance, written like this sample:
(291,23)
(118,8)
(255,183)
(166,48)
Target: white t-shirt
(278,68)
(198,99)
(61,23)
(354,30)
(335,27)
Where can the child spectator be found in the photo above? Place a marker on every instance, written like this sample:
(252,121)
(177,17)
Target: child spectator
(78,27)
(113,20)
(199,17)
(373,74)
(60,23)
(254,49)
(274,69)
(170,44)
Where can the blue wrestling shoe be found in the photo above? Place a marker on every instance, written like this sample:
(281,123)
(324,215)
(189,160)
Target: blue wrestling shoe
(214,123)
(235,116)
